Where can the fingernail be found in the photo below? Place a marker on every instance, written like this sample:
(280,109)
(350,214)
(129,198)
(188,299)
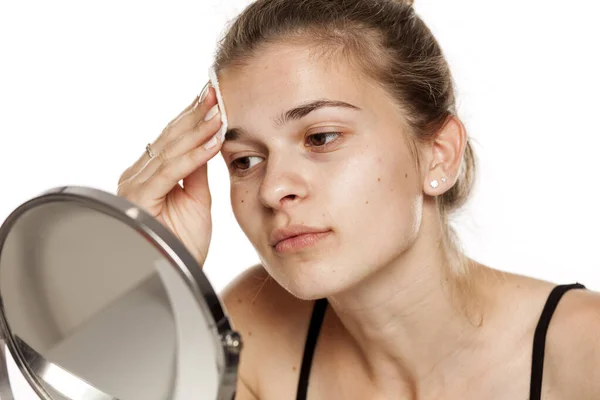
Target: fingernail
(204,93)
(212,112)
(211,143)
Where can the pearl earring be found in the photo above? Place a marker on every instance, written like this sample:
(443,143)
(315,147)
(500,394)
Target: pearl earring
(434,183)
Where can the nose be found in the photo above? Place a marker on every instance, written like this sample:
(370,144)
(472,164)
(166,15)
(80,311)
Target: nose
(283,183)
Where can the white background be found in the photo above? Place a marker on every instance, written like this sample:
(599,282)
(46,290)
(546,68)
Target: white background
(85,85)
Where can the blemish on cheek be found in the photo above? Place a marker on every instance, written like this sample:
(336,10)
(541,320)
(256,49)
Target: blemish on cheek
(242,201)
(378,179)
(367,202)
(406,175)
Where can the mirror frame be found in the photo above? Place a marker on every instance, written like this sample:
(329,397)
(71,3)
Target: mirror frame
(227,342)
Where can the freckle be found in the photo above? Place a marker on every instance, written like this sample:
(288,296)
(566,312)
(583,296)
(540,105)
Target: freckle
(378,179)
(406,175)
(246,192)
(242,201)
(367,202)
(239,301)
(294,368)
(249,333)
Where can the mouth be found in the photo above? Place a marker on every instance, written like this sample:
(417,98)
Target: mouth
(297,237)
(299,242)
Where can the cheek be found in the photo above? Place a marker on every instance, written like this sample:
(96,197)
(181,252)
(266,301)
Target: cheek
(370,182)
(242,200)
(379,197)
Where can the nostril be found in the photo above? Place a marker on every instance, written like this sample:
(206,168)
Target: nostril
(289,197)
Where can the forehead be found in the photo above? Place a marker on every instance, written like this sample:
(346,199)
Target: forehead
(283,76)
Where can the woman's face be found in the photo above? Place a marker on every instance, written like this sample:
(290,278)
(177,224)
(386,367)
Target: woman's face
(343,170)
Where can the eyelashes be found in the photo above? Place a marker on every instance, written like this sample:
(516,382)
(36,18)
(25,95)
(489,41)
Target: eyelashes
(318,142)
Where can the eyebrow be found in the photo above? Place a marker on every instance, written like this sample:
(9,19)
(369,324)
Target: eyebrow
(294,114)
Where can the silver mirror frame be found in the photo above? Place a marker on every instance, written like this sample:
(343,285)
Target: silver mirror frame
(228,343)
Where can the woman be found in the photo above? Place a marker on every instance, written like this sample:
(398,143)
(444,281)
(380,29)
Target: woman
(346,158)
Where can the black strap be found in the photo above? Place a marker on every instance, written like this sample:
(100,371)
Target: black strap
(539,339)
(316,321)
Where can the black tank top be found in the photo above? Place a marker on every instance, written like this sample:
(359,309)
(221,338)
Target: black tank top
(539,342)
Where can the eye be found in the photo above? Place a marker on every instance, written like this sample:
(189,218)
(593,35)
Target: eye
(321,139)
(245,163)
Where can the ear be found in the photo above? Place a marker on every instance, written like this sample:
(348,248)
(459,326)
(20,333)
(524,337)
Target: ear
(445,157)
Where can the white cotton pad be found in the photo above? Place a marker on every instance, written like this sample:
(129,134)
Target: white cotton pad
(215,83)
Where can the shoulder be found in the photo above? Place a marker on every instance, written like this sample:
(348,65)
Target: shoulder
(572,360)
(273,325)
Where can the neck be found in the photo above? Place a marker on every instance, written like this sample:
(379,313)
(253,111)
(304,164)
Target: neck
(414,319)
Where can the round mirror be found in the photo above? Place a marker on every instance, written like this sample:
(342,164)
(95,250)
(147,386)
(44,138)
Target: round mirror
(100,301)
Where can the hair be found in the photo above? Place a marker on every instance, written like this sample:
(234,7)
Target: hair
(386,41)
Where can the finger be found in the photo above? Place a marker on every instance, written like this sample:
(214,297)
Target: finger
(184,123)
(185,120)
(188,120)
(182,145)
(170,173)
(145,157)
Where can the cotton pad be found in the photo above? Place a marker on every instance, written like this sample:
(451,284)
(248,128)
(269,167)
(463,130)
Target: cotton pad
(215,84)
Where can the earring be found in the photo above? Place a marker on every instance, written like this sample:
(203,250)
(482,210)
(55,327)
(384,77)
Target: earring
(434,183)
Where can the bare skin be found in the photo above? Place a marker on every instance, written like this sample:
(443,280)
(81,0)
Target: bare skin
(400,324)
(498,366)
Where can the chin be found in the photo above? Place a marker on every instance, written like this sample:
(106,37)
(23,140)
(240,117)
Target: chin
(311,280)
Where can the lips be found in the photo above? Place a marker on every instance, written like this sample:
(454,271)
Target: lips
(291,231)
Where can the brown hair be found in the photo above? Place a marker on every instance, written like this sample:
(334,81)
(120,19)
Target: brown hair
(385,39)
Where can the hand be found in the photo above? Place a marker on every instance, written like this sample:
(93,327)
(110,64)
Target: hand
(179,154)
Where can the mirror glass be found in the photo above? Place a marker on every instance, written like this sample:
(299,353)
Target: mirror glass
(98,312)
